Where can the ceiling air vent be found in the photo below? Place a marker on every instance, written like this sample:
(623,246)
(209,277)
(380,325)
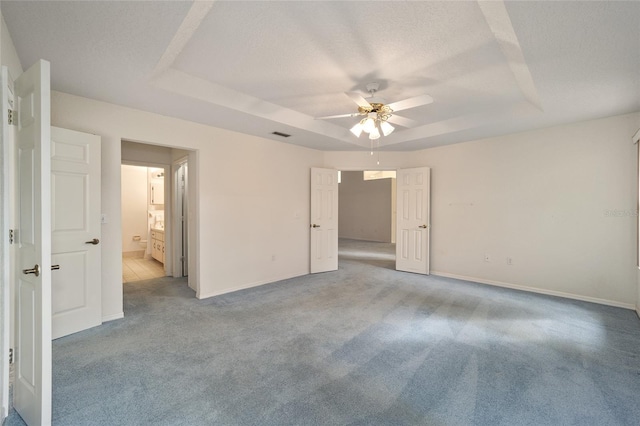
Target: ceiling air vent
(284,135)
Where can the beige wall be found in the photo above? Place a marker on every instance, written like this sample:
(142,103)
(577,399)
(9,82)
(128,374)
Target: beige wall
(364,208)
(140,153)
(550,199)
(560,202)
(252,196)
(9,55)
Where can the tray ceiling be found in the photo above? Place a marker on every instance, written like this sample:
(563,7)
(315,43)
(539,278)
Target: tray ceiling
(257,67)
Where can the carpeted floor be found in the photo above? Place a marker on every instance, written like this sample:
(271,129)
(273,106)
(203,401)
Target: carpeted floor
(365,345)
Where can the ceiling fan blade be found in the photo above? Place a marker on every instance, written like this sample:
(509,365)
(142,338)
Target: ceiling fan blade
(358,99)
(401,121)
(337,116)
(411,103)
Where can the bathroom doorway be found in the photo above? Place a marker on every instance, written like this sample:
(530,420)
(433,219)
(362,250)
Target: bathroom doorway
(143,223)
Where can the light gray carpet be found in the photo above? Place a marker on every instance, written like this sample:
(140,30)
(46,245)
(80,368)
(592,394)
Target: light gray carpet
(365,345)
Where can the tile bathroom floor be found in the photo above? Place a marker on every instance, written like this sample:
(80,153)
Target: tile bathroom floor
(139,268)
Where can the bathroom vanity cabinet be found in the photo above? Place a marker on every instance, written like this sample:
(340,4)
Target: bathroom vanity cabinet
(157,245)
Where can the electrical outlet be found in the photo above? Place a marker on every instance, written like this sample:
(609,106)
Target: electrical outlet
(487,258)
(509,261)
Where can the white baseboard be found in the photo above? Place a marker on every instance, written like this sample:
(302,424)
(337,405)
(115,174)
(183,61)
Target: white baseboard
(448,275)
(254,284)
(112,317)
(537,290)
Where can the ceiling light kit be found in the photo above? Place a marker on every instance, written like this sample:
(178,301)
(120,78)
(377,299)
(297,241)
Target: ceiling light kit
(377,115)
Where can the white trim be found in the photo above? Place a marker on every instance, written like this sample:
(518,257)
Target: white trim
(636,137)
(251,285)
(537,290)
(112,317)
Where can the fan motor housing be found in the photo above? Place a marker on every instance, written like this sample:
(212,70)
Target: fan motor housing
(375,107)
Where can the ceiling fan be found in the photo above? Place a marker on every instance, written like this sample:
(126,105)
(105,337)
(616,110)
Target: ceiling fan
(377,114)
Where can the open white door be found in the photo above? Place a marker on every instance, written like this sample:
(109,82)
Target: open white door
(4,247)
(32,395)
(412,235)
(324,220)
(75,231)
(181,218)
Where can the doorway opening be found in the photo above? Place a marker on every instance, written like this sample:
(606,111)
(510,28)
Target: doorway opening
(169,223)
(367,217)
(143,222)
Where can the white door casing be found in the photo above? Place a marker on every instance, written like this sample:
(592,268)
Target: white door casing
(32,394)
(75,226)
(412,235)
(324,220)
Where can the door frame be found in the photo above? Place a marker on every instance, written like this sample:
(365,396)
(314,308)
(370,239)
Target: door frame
(194,219)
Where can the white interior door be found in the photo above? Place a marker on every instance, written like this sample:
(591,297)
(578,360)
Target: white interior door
(183,186)
(32,395)
(4,247)
(324,220)
(412,235)
(75,231)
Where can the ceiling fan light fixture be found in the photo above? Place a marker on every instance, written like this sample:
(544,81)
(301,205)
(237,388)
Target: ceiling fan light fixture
(357,129)
(374,134)
(369,125)
(386,128)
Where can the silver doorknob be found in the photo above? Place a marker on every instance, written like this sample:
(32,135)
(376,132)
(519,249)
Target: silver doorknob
(315,226)
(423,226)
(95,242)
(35,271)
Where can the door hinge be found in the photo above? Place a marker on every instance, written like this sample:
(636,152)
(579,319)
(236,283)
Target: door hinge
(10,355)
(11,116)
(12,236)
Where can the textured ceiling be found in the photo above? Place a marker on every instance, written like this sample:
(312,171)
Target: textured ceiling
(257,67)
